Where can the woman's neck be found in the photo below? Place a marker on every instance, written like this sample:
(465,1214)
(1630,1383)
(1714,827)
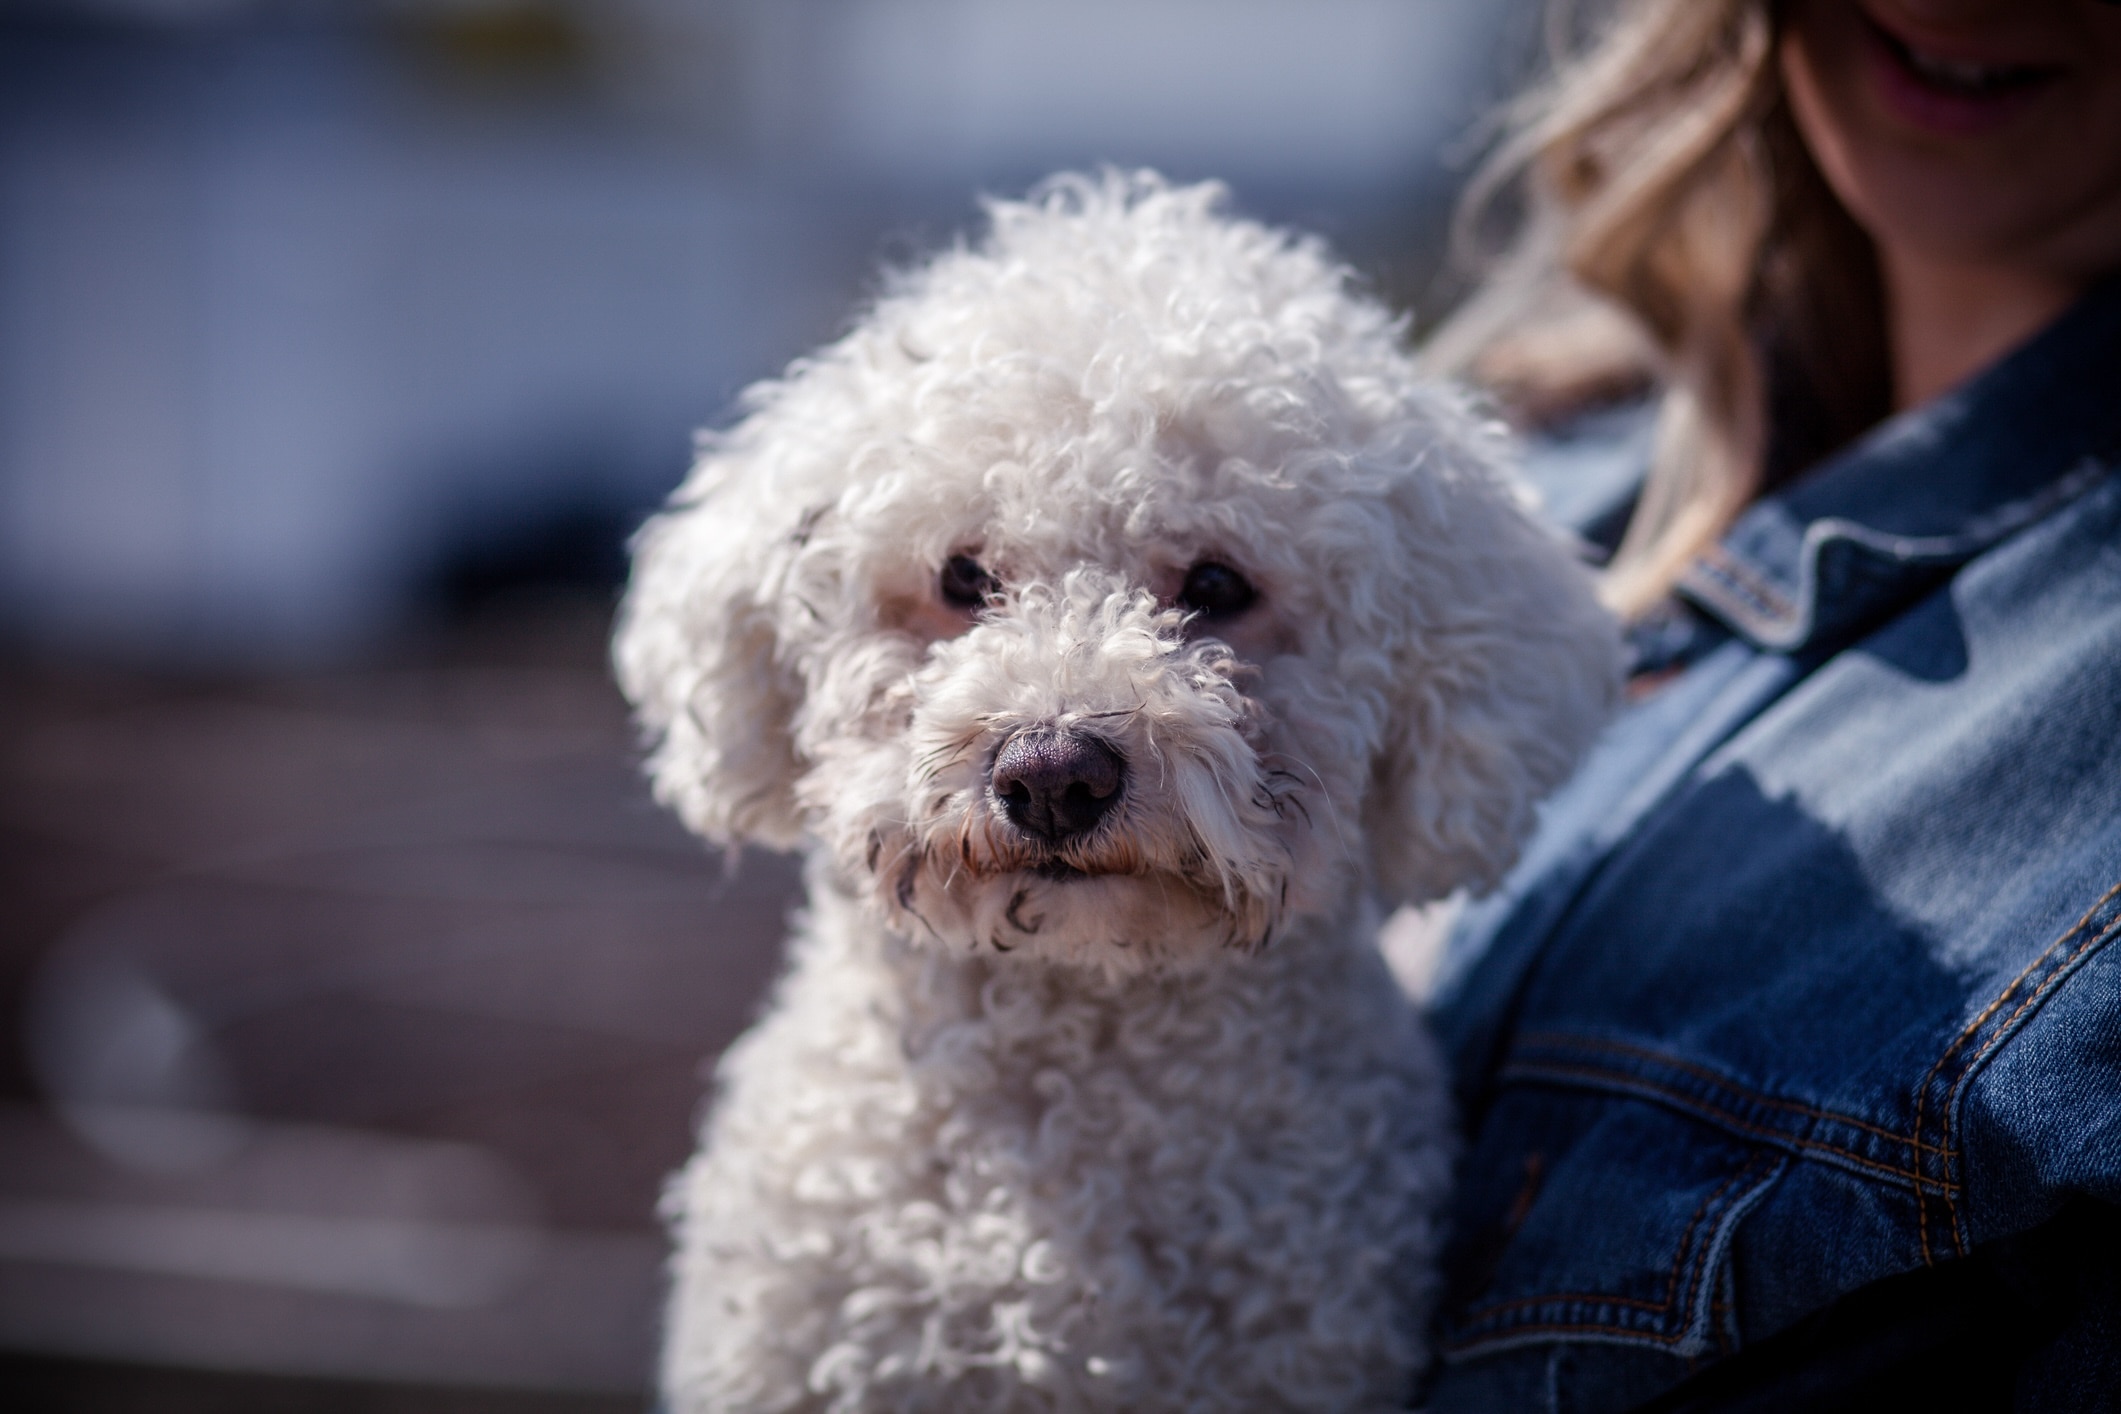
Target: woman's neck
(1947,321)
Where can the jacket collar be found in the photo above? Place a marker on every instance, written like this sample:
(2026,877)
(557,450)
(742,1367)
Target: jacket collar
(1875,526)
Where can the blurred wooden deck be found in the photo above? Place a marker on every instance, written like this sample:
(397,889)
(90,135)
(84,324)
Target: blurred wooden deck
(355,1019)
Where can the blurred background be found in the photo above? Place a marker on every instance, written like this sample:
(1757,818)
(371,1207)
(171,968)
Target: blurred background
(355,997)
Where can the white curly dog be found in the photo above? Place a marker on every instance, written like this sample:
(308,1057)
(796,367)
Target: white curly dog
(1115,619)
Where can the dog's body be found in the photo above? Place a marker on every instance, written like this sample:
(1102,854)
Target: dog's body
(1112,613)
(962,1183)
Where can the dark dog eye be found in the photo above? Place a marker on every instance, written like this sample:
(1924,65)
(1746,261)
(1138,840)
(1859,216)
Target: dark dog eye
(1215,591)
(965,584)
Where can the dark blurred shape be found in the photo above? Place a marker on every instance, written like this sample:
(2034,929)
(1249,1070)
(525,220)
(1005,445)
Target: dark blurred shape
(43,1385)
(505,41)
(571,548)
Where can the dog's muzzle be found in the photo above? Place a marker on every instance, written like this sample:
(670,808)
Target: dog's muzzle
(1056,784)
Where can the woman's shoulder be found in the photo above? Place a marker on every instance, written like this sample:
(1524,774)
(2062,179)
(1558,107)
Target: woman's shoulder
(1840,1004)
(1811,981)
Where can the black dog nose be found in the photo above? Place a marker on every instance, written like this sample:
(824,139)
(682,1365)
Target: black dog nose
(1056,784)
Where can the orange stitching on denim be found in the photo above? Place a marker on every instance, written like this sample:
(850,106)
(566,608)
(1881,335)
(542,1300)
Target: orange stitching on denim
(1996,1038)
(1636,1303)
(1564,1038)
(1913,1178)
(1922,1091)
(1719,1321)
(1671,1281)
(1535,1069)
(2055,978)
(1701,1260)
(1562,1328)
(1461,1345)
(1773,1169)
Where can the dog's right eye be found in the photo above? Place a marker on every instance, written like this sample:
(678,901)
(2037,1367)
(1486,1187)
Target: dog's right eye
(1215,591)
(965,584)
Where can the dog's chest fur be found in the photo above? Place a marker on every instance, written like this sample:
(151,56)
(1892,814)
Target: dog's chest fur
(936,1181)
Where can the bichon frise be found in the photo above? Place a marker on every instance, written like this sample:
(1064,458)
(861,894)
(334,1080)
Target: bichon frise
(1115,619)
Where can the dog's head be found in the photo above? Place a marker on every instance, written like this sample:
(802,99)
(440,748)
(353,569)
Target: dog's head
(1114,593)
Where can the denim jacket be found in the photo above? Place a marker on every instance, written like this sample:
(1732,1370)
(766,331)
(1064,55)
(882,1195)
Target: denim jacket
(1808,978)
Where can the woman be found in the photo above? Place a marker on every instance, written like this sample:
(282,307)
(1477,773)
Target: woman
(1790,1058)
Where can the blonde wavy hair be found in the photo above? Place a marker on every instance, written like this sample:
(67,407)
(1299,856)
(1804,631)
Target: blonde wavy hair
(1664,228)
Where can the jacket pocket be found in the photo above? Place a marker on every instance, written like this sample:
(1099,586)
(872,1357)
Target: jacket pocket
(1595,1215)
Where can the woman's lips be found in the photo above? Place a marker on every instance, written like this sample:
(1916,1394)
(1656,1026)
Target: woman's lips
(1948,95)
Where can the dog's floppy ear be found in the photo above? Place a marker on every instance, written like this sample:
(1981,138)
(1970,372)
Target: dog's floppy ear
(1503,665)
(697,652)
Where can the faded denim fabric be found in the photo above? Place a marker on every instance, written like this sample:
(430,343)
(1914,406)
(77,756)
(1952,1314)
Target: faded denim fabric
(1808,979)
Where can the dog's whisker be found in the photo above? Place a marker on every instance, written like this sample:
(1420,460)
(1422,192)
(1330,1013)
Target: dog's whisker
(807,525)
(1016,902)
(1332,814)
(946,755)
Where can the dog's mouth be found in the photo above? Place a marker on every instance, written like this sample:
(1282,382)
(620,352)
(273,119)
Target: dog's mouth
(1111,854)
(1077,899)
(985,848)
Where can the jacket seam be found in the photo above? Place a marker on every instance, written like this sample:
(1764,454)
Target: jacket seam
(1763,598)
(1680,1100)
(1662,1310)
(1759,1097)
(1568,1328)
(2055,976)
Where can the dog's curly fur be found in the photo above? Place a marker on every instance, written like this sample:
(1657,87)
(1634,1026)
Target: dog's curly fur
(1135,1119)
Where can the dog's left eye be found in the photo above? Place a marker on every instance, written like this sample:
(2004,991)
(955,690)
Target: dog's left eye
(1215,591)
(965,583)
